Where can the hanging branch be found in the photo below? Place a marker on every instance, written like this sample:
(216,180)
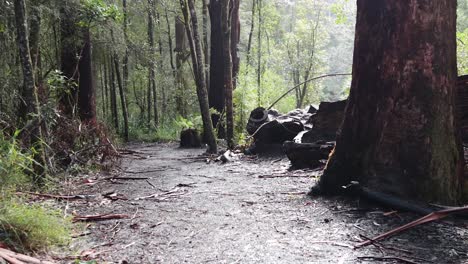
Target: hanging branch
(313,79)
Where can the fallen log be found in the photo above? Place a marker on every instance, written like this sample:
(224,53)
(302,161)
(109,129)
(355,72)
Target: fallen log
(325,122)
(307,155)
(13,257)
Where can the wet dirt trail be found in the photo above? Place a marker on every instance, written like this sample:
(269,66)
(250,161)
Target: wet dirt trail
(250,210)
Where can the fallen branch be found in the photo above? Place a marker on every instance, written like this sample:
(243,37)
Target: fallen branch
(88,218)
(16,258)
(286,176)
(149,171)
(404,260)
(128,178)
(426,219)
(59,197)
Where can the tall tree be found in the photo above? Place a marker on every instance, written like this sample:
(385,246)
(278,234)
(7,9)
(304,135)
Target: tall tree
(228,65)
(30,99)
(399,134)
(152,95)
(217,96)
(191,26)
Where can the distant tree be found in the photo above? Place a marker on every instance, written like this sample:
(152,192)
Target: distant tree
(399,135)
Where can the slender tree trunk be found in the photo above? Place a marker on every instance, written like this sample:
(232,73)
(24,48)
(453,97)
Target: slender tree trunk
(113,96)
(252,27)
(181,40)
(31,100)
(106,89)
(152,75)
(123,97)
(399,134)
(161,65)
(206,47)
(259,54)
(234,24)
(228,81)
(197,61)
(126,56)
(169,41)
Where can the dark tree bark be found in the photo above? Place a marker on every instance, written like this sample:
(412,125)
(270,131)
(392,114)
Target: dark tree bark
(123,97)
(228,69)
(113,96)
(399,134)
(70,53)
(181,48)
(216,90)
(30,100)
(86,88)
(197,61)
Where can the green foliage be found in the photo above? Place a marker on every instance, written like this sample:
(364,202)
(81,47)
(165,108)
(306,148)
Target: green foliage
(14,164)
(462,52)
(32,227)
(98,11)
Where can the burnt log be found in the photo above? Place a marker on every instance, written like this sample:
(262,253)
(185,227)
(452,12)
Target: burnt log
(307,155)
(258,117)
(325,122)
(190,138)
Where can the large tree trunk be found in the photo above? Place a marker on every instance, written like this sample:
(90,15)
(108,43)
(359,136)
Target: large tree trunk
(399,131)
(197,61)
(70,53)
(86,90)
(228,69)
(216,90)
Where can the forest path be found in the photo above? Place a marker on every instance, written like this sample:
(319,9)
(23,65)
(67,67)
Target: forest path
(230,213)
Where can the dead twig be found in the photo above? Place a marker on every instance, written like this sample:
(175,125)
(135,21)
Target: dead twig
(426,219)
(403,260)
(332,243)
(103,217)
(59,197)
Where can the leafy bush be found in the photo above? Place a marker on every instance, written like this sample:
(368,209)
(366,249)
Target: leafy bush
(32,227)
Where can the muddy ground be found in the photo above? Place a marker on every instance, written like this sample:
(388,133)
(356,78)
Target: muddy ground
(237,213)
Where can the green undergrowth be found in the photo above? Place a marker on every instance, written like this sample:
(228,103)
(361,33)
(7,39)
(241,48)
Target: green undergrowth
(32,227)
(166,131)
(25,226)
